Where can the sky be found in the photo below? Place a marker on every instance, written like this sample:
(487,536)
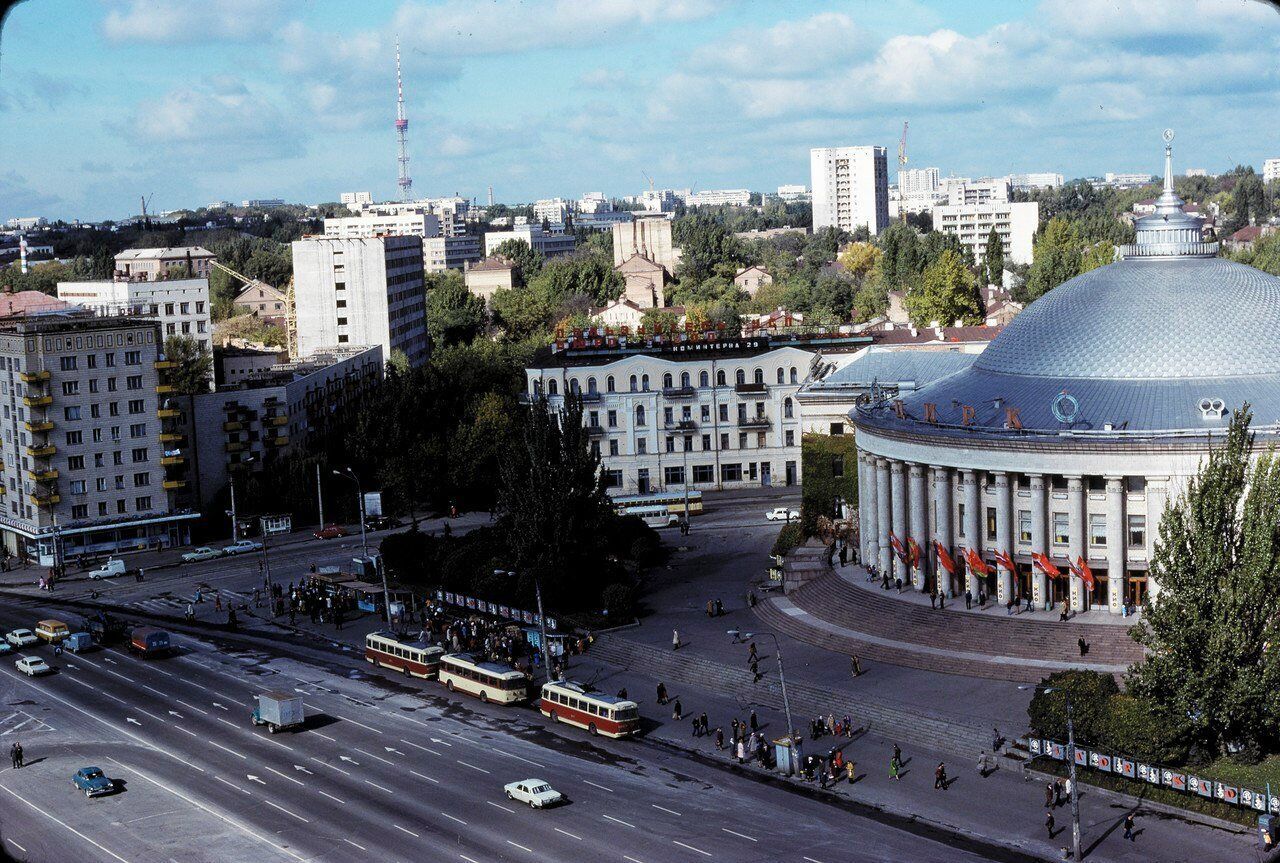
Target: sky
(194,101)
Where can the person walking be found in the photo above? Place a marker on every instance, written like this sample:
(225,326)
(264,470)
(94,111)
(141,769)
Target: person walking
(753,722)
(702,723)
(897,753)
(996,740)
(855,666)
(662,693)
(1048,823)
(13,755)
(1066,789)
(968,601)
(675,639)
(1128,826)
(983,764)
(755,671)
(933,600)
(217,602)
(719,738)
(1050,795)
(677,713)
(850,770)
(894,766)
(697,727)
(1083,645)
(18,756)
(940,776)
(751,652)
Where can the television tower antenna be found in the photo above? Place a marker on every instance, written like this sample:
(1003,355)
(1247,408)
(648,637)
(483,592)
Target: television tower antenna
(404,181)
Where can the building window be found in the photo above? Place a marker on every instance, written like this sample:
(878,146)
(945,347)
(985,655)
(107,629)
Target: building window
(666,381)
(75,462)
(1136,484)
(137,406)
(740,376)
(141,479)
(72,413)
(639,416)
(720,378)
(671,443)
(133,382)
(644,383)
(80,511)
(612,418)
(790,437)
(642,446)
(133,358)
(730,473)
(613,479)
(793,375)
(75,438)
(68,364)
(787,410)
(591,386)
(742,440)
(667,416)
(633,383)
(673,475)
(758,377)
(70,388)
(1097,529)
(780,375)
(102,508)
(704,473)
(143,503)
(553,388)
(960,522)
(991,523)
(1137,531)
(139,455)
(608,384)
(1024,525)
(724,440)
(703,379)
(613,446)
(837,428)
(137,430)
(77,486)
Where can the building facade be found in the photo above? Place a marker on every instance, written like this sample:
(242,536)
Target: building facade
(268,303)
(152,264)
(1015,224)
(351,292)
(180,305)
(718,197)
(549,245)
(850,188)
(490,276)
(649,237)
(1036,180)
(1270,171)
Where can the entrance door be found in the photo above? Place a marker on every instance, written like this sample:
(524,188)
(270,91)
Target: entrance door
(1024,581)
(766,478)
(1136,590)
(791,473)
(642,480)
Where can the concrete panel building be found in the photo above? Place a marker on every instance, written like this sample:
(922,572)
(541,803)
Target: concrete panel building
(151,264)
(850,188)
(549,244)
(649,237)
(180,305)
(1016,225)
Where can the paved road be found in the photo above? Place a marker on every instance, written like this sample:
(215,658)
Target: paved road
(383,771)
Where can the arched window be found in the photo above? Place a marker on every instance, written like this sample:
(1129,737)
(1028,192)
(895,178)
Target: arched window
(786,408)
(759,376)
(573,385)
(639,416)
(666,381)
(591,385)
(552,388)
(684,379)
(740,376)
(608,384)
(644,382)
(537,387)
(633,383)
(704,379)
(780,373)
(720,378)
(793,374)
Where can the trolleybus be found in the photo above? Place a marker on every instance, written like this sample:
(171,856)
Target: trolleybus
(488,681)
(573,704)
(415,658)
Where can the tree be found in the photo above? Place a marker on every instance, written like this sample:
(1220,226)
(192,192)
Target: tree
(704,243)
(993,259)
(1212,667)
(520,253)
(1056,258)
(194,369)
(454,314)
(659,321)
(948,292)
(900,261)
(859,258)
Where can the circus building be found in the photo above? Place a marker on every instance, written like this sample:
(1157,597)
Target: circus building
(1042,468)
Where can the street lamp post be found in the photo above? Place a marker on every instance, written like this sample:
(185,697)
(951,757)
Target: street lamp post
(1071,768)
(350,474)
(782,677)
(542,623)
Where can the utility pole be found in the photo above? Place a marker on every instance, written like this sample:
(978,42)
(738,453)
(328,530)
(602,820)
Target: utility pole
(235,533)
(319,496)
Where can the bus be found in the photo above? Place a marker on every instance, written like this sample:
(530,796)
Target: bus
(671,501)
(413,658)
(488,681)
(573,704)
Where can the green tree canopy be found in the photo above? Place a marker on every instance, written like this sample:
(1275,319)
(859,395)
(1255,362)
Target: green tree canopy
(194,368)
(948,292)
(519,252)
(1056,258)
(993,259)
(454,314)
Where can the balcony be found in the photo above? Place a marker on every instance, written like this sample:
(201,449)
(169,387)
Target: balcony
(165,389)
(37,401)
(172,460)
(595,430)
(174,484)
(43,451)
(279,420)
(678,392)
(169,413)
(172,437)
(39,377)
(165,364)
(47,475)
(588,397)
(681,425)
(46,499)
(758,421)
(232,426)
(281,440)
(38,425)
(750,389)
(237,446)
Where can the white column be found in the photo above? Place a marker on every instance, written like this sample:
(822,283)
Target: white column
(1039,538)
(1004,535)
(1115,544)
(1075,535)
(1157,501)
(869,531)
(884,522)
(972,526)
(919,522)
(898,493)
(942,508)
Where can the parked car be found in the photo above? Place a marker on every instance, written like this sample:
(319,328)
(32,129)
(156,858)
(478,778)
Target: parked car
(52,631)
(5,647)
(204,552)
(242,546)
(93,782)
(381,522)
(330,531)
(33,665)
(113,566)
(535,792)
(22,638)
(781,513)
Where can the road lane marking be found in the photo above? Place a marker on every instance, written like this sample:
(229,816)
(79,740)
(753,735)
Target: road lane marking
(114,698)
(286,811)
(379,787)
(272,742)
(186,731)
(233,785)
(349,842)
(518,845)
(423,748)
(192,706)
(632,859)
(500,806)
(404,830)
(64,824)
(468,859)
(353,722)
(156,691)
(620,821)
(665,809)
(451,818)
(739,835)
(325,736)
(518,757)
(371,755)
(161,671)
(217,705)
(331,797)
(811,860)
(16,845)
(567,833)
(472,766)
(691,848)
(225,749)
(82,683)
(225,721)
(428,778)
(284,775)
(327,764)
(594,785)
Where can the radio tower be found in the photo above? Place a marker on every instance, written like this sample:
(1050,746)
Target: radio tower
(405,182)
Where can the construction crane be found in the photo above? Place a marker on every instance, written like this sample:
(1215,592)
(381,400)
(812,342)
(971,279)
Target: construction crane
(290,313)
(902,146)
(146,202)
(650,179)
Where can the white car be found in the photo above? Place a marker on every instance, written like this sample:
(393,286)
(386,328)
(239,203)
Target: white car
(242,546)
(33,665)
(22,638)
(781,513)
(204,552)
(535,792)
(114,566)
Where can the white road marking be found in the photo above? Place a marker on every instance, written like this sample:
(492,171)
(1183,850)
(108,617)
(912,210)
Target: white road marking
(666,810)
(219,706)
(192,706)
(156,691)
(325,736)
(161,671)
(273,742)
(286,811)
(226,722)
(349,842)
(353,722)
(186,731)
(632,859)
(114,698)
(567,833)
(404,830)
(82,683)
(594,785)
(739,835)
(225,749)
(232,784)
(16,845)
(331,797)
(253,778)
(811,860)
(65,825)
(284,775)
(423,748)
(451,818)
(465,857)
(620,821)
(428,778)
(379,787)
(691,848)
(327,764)
(379,757)
(472,766)
(517,757)
(518,845)
(500,806)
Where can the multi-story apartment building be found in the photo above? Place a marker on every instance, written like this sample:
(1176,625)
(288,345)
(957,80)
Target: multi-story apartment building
(152,264)
(1016,225)
(249,423)
(548,244)
(181,305)
(452,212)
(850,188)
(989,190)
(718,197)
(715,414)
(270,304)
(360,291)
(352,200)
(440,251)
(551,211)
(450,253)
(793,192)
(1036,180)
(90,464)
(1270,171)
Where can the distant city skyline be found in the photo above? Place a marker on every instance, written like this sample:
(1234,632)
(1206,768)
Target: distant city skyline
(104,102)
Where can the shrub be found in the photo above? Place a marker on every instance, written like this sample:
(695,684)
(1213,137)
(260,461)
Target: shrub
(1090,693)
(789,537)
(1131,728)
(619,602)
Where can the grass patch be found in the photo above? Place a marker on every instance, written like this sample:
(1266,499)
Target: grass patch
(1254,776)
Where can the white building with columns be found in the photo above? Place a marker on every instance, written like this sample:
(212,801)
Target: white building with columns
(1069,435)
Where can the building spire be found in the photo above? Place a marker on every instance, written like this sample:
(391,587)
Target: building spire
(1168,161)
(1169,232)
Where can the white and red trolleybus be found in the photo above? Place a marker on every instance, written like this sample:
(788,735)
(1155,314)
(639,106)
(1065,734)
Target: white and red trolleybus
(415,658)
(488,681)
(571,703)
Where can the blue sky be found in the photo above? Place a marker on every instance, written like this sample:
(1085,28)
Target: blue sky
(199,100)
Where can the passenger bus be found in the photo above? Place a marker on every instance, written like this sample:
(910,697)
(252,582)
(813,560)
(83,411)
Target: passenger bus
(488,681)
(571,703)
(414,658)
(671,501)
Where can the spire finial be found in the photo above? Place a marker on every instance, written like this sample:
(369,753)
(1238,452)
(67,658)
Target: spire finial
(1168,161)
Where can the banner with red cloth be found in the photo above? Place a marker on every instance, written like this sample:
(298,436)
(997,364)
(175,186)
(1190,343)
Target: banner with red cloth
(1045,565)
(945,559)
(976,563)
(1003,558)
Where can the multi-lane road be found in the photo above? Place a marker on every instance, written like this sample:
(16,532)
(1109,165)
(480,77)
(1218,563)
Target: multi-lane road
(384,770)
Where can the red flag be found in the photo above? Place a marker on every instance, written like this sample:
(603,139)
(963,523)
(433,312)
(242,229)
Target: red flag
(1006,561)
(1086,574)
(913,551)
(1045,565)
(976,563)
(897,547)
(945,559)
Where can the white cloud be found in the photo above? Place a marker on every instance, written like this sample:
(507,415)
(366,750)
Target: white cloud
(787,48)
(191,21)
(221,116)
(1122,20)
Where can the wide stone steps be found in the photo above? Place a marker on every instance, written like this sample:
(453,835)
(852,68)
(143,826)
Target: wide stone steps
(964,735)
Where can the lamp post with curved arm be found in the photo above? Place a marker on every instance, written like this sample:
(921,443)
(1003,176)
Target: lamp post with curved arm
(348,473)
(782,678)
(1071,767)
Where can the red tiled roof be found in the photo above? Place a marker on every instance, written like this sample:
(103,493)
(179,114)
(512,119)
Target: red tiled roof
(24,302)
(1247,234)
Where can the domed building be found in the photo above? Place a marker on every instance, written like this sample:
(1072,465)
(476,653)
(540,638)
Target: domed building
(1043,467)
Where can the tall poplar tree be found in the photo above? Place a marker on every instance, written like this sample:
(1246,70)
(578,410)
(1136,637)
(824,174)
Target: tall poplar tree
(993,259)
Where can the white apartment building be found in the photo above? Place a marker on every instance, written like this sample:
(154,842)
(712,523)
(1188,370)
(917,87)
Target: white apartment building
(793,192)
(972,223)
(450,253)
(551,210)
(26,223)
(1270,171)
(593,202)
(1203,172)
(919,189)
(413,224)
(718,197)
(850,188)
(1127,181)
(360,291)
(354,200)
(181,305)
(452,212)
(152,264)
(1033,181)
(989,190)
(548,244)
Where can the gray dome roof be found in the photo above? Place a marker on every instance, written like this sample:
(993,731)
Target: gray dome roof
(1185,318)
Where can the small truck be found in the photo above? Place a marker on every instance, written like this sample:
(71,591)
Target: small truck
(279,711)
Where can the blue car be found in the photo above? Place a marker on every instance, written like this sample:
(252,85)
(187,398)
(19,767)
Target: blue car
(93,782)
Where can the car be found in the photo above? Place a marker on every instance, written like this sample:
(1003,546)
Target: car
(5,647)
(33,665)
(204,552)
(381,522)
(93,782)
(330,531)
(781,513)
(22,638)
(114,566)
(242,546)
(535,792)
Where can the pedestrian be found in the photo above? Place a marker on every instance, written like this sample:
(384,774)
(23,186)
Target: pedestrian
(1048,823)
(850,770)
(940,776)
(897,754)
(942,595)
(677,712)
(844,555)
(675,639)
(897,582)
(697,728)
(742,750)
(719,608)
(751,652)
(754,722)
(848,726)
(1050,795)
(755,671)
(702,722)
(217,602)
(1030,607)
(1128,826)
(968,600)
(894,765)
(1066,789)
(719,738)
(1008,606)
(662,694)
(13,755)
(982,764)
(710,608)
(933,600)
(1083,645)
(1063,616)
(855,666)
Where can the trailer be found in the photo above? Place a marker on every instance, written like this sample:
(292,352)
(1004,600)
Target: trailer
(279,711)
